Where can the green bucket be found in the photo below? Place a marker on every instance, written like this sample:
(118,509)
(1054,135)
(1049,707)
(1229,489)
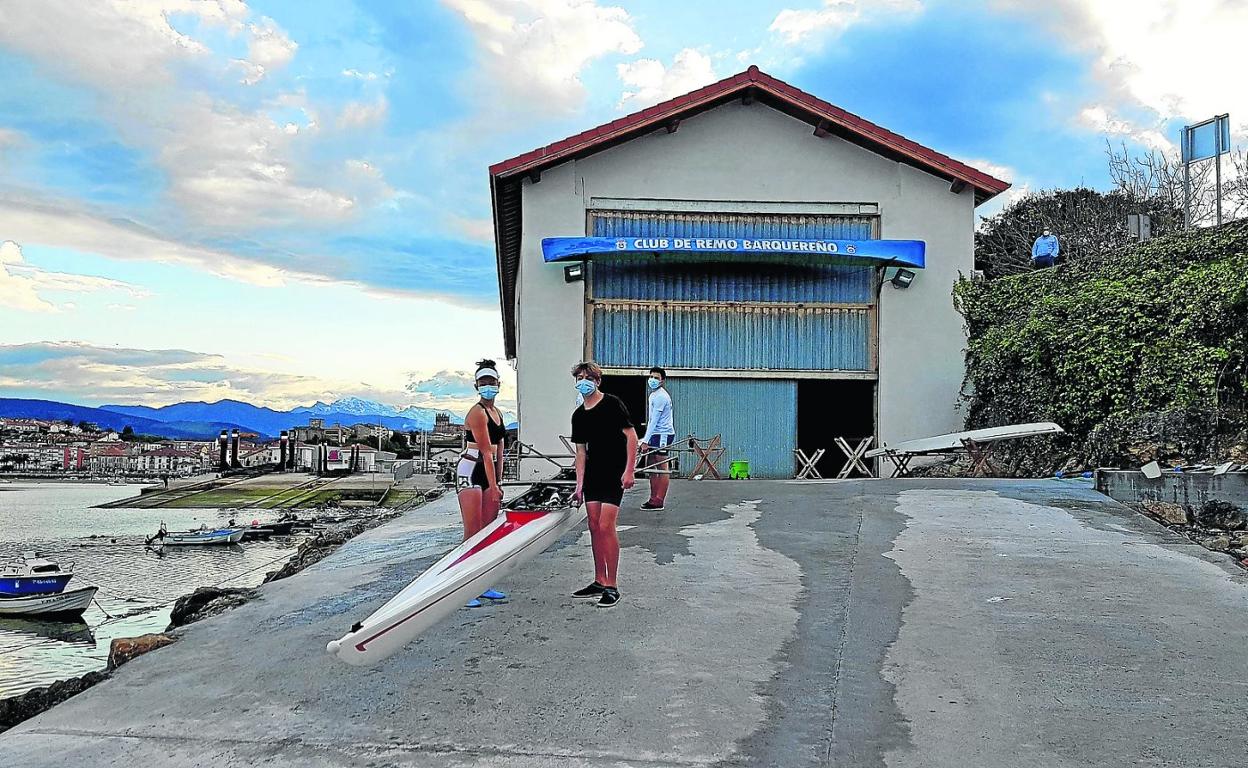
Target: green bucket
(739,470)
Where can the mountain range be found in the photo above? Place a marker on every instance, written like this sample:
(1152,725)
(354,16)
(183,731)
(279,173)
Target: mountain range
(206,420)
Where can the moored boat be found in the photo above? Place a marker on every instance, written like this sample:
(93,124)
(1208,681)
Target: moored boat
(258,530)
(201,536)
(33,575)
(70,603)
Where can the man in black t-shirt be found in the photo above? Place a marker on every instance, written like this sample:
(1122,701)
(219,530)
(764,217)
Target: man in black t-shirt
(606,452)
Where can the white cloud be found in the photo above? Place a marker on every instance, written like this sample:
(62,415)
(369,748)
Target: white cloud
(269,46)
(533,51)
(456,390)
(17,292)
(88,232)
(238,167)
(650,82)
(229,167)
(82,231)
(1003,172)
(22,286)
(1099,119)
(365,182)
(108,43)
(835,16)
(481,230)
(252,73)
(1154,62)
(357,114)
(1019,187)
(357,74)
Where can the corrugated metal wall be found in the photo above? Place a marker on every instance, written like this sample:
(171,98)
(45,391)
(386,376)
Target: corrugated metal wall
(728,337)
(805,226)
(756,417)
(704,331)
(699,277)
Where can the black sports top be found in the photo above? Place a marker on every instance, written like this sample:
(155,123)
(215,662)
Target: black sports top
(497,431)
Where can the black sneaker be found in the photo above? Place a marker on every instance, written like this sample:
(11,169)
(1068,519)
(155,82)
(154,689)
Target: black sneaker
(651,505)
(610,596)
(593,590)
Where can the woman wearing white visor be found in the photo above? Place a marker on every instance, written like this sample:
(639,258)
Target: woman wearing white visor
(480,467)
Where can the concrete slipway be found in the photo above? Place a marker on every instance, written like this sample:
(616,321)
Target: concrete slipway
(879,623)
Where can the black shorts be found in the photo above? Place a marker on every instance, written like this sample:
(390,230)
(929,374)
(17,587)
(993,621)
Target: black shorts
(604,490)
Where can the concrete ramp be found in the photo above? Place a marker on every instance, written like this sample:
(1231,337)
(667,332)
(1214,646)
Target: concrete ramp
(860,623)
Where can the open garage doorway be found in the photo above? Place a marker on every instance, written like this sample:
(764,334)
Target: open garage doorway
(632,390)
(830,408)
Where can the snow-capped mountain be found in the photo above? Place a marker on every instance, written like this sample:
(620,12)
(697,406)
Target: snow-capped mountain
(353,405)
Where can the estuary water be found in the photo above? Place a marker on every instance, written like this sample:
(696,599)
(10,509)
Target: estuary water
(138,585)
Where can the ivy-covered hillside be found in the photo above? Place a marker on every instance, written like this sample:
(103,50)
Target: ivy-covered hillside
(1138,352)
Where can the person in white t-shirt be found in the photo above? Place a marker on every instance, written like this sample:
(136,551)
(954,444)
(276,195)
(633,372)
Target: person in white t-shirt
(660,431)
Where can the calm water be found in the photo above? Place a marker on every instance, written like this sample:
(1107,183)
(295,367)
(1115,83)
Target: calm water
(137,585)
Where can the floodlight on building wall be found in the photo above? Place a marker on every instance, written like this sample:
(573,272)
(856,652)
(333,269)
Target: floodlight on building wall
(574,272)
(902,278)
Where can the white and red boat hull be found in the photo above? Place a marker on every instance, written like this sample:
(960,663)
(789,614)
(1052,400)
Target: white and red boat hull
(513,539)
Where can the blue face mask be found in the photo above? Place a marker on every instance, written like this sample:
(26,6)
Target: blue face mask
(652,383)
(488,391)
(586,387)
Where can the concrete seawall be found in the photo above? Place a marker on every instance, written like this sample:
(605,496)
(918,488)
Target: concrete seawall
(1187,489)
(898,623)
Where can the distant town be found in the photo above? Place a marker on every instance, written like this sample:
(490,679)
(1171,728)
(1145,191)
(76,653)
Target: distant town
(82,450)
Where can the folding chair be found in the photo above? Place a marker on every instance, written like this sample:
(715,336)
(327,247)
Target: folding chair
(708,457)
(981,458)
(806,464)
(900,460)
(855,457)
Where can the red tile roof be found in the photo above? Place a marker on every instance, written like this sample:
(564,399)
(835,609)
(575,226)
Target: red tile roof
(587,142)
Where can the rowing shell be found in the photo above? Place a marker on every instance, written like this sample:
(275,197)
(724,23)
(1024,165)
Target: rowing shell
(513,539)
(955,440)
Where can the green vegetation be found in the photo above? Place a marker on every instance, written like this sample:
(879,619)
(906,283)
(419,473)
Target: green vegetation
(1139,352)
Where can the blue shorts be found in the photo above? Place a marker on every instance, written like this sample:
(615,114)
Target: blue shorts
(658,448)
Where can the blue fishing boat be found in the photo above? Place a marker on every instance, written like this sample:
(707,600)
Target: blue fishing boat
(33,575)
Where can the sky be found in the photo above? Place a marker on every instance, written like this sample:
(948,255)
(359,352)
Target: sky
(282,202)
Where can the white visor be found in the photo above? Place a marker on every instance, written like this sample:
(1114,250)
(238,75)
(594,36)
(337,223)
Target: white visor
(486,372)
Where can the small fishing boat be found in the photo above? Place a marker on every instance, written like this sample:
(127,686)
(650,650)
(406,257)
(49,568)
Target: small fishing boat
(33,575)
(201,536)
(259,530)
(71,603)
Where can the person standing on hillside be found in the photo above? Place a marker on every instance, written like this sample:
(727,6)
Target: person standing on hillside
(660,432)
(1044,250)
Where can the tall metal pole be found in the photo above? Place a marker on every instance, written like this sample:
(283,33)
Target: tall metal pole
(1187,182)
(1217,164)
